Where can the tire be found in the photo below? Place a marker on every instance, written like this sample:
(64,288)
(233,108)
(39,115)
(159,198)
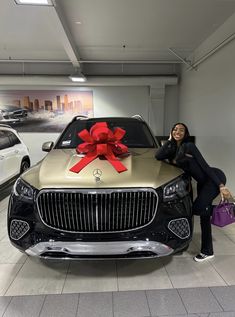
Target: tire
(182,250)
(24,166)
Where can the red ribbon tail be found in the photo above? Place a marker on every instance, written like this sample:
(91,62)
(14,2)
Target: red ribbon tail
(84,162)
(119,167)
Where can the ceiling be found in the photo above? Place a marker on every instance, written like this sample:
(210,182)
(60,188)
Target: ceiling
(106,37)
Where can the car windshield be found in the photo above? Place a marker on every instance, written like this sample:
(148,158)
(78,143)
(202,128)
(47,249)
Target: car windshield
(137,134)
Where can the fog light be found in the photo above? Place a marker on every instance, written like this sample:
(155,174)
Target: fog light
(180,227)
(18,229)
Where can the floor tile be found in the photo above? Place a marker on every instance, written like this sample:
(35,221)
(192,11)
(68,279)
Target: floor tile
(25,306)
(231,237)
(186,315)
(222,314)
(11,255)
(225,296)
(199,300)
(62,305)
(165,302)
(131,304)
(223,245)
(95,305)
(230,229)
(4,302)
(184,272)
(142,274)
(91,276)
(192,250)
(3,225)
(39,277)
(8,273)
(216,231)
(4,204)
(5,238)
(225,266)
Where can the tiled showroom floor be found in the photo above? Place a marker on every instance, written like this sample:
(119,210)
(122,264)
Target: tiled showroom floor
(175,286)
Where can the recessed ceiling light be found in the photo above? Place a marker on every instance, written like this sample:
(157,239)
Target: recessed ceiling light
(78,77)
(34,2)
(78,22)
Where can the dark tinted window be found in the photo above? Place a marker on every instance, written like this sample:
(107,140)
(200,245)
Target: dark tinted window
(4,140)
(13,138)
(9,108)
(137,133)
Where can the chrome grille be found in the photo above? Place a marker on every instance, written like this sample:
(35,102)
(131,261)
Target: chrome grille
(97,210)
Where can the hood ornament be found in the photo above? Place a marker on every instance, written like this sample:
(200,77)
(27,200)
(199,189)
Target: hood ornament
(97,174)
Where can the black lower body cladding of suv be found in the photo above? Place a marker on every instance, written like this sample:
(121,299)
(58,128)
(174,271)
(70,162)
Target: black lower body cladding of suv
(106,223)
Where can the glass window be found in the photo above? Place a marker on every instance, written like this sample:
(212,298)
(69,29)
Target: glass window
(4,140)
(13,138)
(137,133)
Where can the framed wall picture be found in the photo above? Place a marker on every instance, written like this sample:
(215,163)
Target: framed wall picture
(43,110)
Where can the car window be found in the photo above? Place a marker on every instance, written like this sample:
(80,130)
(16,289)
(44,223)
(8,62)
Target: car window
(9,108)
(4,140)
(137,133)
(13,138)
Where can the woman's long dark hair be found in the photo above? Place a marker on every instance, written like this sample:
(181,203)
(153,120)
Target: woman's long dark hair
(186,135)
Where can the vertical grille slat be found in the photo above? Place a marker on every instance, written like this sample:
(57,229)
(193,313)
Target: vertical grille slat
(92,212)
(47,210)
(56,210)
(64,212)
(129,214)
(137,207)
(76,210)
(80,213)
(73,213)
(97,211)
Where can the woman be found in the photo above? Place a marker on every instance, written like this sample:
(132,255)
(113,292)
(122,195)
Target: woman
(210,181)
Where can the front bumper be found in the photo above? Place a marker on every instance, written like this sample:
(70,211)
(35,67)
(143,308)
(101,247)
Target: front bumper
(154,240)
(68,250)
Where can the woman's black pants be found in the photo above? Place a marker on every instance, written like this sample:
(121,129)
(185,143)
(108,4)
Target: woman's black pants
(202,206)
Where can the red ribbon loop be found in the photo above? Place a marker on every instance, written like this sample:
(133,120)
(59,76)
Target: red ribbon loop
(101,141)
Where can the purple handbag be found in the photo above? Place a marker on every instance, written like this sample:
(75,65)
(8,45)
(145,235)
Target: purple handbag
(223,214)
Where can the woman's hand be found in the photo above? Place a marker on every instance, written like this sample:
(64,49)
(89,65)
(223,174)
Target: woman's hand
(225,193)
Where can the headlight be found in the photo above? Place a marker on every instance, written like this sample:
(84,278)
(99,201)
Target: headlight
(23,189)
(175,189)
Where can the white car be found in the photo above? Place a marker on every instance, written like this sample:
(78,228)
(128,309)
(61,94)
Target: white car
(14,155)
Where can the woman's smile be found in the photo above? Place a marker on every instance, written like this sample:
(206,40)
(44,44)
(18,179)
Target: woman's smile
(178,132)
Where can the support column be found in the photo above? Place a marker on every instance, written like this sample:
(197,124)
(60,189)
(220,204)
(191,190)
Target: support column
(156,109)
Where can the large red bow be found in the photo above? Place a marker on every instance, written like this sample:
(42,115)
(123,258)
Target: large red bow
(101,141)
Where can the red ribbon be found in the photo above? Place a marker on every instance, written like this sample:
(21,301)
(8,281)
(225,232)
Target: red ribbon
(101,141)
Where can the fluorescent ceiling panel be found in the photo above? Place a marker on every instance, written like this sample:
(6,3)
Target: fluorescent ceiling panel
(34,2)
(78,78)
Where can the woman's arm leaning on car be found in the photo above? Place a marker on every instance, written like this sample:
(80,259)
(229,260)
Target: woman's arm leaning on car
(167,151)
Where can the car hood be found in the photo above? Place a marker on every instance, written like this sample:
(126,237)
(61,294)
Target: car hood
(143,170)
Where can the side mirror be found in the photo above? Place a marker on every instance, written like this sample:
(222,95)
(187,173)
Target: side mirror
(47,146)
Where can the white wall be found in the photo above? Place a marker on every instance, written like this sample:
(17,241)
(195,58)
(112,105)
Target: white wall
(171,107)
(34,143)
(207,102)
(121,101)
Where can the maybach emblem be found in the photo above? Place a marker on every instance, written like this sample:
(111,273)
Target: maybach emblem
(97,174)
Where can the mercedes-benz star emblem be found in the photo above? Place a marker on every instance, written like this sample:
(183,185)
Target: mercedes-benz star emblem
(97,174)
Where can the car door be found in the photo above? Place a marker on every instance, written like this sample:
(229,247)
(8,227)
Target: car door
(15,156)
(5,154)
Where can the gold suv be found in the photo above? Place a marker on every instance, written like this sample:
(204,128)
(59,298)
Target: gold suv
(101,194)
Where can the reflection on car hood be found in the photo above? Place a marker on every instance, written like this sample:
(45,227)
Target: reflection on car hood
(143,170)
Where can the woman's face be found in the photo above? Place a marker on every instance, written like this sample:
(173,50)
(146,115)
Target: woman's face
(178,132)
